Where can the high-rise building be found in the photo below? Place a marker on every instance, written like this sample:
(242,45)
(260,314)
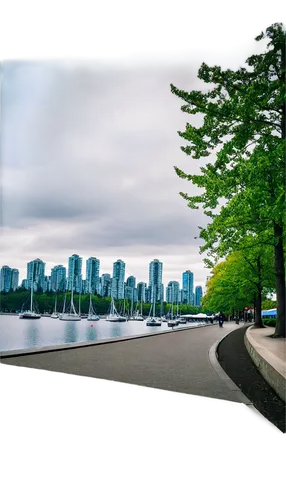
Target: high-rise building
(74,273)
(92,275)
(198,295)
(141,291)
(117,284)
(148,294)
(47,284)
(128,292)
(15,279)
(58,278)
(172,292)
(6,278)
(188,287)
(105,285)
(131,281)
(155,280)
(130,289)
(36,274)
(24,284)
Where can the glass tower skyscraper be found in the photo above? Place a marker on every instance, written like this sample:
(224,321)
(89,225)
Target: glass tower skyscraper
(188,287)
(155,280)
(92,275)
(36,274)
(117,284)
(74,273)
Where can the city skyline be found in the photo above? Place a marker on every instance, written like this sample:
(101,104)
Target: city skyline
(72,186)
(60,278)
(66,272)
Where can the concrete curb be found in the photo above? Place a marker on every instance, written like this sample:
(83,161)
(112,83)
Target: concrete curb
(77,345)
(270,366)
(213,357)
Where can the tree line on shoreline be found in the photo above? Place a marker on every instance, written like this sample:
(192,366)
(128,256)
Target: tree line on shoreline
(45,302)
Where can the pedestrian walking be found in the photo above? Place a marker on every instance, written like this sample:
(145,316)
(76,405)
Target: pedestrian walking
(220,319)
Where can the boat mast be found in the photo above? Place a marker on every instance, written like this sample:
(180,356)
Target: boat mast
(32,286)
(31,304)
(131,312)
(112,307)
(72,306)
(65,299)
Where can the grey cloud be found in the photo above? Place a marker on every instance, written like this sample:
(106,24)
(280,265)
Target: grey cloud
(90,150)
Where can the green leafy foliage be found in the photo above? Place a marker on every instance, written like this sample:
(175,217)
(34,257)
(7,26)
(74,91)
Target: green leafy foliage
(239,280)
(243,128)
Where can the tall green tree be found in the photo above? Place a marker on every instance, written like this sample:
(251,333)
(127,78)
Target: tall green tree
(244,127)
(243,279)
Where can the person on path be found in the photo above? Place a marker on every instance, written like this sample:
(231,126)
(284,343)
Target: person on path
(220,319)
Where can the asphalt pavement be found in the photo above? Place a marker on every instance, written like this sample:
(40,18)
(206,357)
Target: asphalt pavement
(238,365)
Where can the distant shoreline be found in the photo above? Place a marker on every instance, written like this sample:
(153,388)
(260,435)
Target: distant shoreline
(43,315)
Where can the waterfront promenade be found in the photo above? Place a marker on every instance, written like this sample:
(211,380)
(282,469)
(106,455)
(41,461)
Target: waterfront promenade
(178,360)
(269,355)
(175,361)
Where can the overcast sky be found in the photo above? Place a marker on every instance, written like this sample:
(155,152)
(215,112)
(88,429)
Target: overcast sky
(89,142)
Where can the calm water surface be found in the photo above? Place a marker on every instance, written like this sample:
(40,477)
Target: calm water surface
(18,333)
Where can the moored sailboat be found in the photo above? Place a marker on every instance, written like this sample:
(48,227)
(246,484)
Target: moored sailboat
(30,313)
(137,316)
(55,314)
(113,315)
(152,320)
(72,314)
(172,321)
(92,316)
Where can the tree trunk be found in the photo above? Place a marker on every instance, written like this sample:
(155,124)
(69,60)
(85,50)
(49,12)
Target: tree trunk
(258,303)
(280,330)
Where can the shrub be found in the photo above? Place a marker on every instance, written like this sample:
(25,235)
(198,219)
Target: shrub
(269,321)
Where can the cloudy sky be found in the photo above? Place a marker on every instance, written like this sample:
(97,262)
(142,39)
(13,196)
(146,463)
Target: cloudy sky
(89,144)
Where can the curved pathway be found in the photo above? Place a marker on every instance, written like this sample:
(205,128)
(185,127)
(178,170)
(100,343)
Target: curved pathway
(176,361)
(237,363)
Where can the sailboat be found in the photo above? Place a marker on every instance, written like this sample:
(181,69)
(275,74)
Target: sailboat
(72,314)
(172,321)
(152,320)
(55,315)
(131,315)
(91,312)
(177,315)
(137,316)
(64,306)
(113,315)
(163,317)
(30,313)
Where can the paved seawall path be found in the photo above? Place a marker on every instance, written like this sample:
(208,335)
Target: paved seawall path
(175,361)
(240,367)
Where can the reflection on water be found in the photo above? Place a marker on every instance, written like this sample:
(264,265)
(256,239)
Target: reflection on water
(31,332)
(71,332)
(25,334)
(91,333)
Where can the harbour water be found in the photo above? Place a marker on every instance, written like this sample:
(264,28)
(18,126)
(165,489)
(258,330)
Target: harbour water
(18,333)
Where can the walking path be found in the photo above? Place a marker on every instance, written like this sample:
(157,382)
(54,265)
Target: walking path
(238,365)
(176,361)
(179,360)
(269,355)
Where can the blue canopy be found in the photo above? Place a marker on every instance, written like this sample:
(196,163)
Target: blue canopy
(271,313)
